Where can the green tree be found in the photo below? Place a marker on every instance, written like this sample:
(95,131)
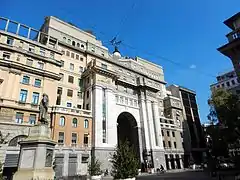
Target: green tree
(94,168)
(125,163)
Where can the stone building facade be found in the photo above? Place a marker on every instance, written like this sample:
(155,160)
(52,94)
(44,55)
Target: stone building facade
(97,99)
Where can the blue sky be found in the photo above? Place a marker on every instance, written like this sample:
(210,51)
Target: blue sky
(187,32)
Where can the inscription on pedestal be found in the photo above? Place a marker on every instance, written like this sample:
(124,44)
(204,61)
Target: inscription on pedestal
(27,158)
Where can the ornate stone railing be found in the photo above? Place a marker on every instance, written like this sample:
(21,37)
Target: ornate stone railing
(80,112)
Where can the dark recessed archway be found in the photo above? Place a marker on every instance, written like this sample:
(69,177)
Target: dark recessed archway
(128,131)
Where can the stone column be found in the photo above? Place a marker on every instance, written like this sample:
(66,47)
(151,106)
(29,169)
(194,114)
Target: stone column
(79,161)
(65,164)
(140,142)
(150,125)
(157,126)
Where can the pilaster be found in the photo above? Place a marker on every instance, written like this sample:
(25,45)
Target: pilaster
(65,164)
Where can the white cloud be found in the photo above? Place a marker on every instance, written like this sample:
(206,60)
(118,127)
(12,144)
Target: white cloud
(193,66)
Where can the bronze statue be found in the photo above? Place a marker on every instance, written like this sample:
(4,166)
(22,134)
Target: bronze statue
(43,108)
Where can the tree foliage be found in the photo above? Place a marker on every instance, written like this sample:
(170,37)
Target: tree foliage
(124,162)
(94,168)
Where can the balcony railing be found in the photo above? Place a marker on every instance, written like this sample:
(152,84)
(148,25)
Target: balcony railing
(72,110)
(233,35)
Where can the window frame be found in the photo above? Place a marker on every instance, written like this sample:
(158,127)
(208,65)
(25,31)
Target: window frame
(37,84)
(62,121)
(25,77)
(35,98)
(23,95)
(31,120)
(74,124)
(86,123)
(17,117)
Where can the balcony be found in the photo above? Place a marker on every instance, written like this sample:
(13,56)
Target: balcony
(74,111)
(233,35)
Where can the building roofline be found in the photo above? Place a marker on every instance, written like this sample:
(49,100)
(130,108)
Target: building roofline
(229,21)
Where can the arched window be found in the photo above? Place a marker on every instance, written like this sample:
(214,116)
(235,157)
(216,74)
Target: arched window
(69,41)
(62,121)
(78,45)
(74,122)
(64,39)
(82,46)
(14,141)
(73,43)
(86,123)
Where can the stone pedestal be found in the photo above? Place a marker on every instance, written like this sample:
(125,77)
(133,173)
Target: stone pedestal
(36,155)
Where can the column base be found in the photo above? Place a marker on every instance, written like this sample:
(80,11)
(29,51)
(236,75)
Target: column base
(29,174)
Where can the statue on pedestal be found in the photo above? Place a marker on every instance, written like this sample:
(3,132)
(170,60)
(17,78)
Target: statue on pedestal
(43,109)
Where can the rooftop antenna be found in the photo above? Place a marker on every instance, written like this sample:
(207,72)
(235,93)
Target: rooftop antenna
(115,43)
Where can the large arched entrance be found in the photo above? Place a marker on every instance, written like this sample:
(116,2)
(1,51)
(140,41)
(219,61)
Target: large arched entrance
(127,130)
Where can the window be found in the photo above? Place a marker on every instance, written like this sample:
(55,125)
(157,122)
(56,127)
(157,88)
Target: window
(77,56)
(82,46)
(88,80)
(62,63)
(60,137)
(23,95)
(31,48)
(72,55)
(69,93)
(37,83)
(162,133)
(19,118)
(21,44)
(85,139)
(93,49)
(62,121)
(80,69)
(52,55)
(79,94)
(35,98)
(79,106)
(233,82)
(40,65)
(29,62)
(104,66)
(32,119)
(168,133)
(87,94)
(169,144)
(135,103)
(62,76)
(74,122)
(175,145)
(80,82)
(164,145)
(81,58)
(42,51)
(63,52)
(9,41)
(6,55)
(228,84)
(73,43)
(70,79)
(87,107)
(86,123)
(173,134)
(181,134)
(223,85)
(64,39)
(68,53)
(25,80)
(69,104)
(74,138)
(69,41)
(78,45)
(71,67)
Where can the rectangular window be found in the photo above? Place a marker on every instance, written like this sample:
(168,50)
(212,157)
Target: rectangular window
(81,58)
(164,145)
(223,85)
(60,137)
(42,52)
(63,52)
(233,82)
(29,62)
(68,53)
(162,133)
(31,48)
(32,119)
(175,144)
(74,138)
(173,134)
(70,79)
(35,98)
(104,66)
(23,95)
(87,107)
(6,55)
(21,44)
(80,69)
(181,134)
(19,118)
(69,104)
(9,41)
(85,139)
(87,94)
(79,106)
(168,133)
(71,67)
(88,80)
(72,55)
(40,65)
(25,79)
(77,56)
(169,144)
(69,93)
(52,55)
(79,94)
(37,83)
(80,83)
(131,102)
